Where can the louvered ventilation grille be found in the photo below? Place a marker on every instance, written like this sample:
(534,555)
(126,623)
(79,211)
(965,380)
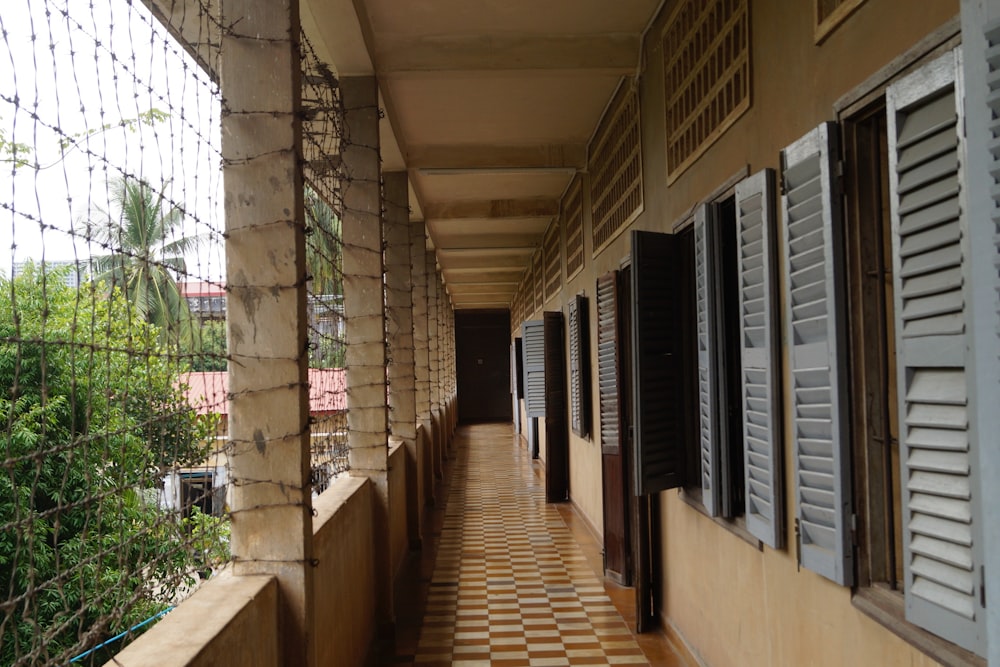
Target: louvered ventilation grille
(553,270)
(573,219)
(534,366)
(607,362)
(706,51)
(936,433)
(757,435)
(811,373)
(752,272)
(616,167)
(538,280)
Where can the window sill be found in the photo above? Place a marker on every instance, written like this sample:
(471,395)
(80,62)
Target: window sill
(886,607)
(737,526)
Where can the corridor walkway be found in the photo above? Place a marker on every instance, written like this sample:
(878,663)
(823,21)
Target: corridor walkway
(511,584)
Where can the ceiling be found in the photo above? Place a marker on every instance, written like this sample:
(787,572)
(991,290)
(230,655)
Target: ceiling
(489,107)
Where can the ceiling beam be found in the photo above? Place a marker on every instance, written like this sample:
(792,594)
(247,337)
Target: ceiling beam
(538,207)
(408,54)
(517,157)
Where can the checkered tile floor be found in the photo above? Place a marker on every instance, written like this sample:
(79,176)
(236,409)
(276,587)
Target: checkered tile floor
(511,586)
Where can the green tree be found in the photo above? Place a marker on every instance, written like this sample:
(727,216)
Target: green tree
(147,251)
(207,347)
(93,417)
(323,246)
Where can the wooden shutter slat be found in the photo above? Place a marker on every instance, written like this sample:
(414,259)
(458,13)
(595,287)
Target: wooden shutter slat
(578,355)
(659,448)
(607,362)
(760,379)
(814,330)
(706,300)
(533,346)
(930,260)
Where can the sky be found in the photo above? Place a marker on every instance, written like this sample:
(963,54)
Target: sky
(68,69)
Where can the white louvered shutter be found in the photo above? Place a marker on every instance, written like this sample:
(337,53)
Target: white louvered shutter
(930,278)
(533,345)
(577,407)
(760,377)
(810,204)
(705,252)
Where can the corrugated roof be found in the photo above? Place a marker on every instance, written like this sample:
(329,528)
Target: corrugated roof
(207,391)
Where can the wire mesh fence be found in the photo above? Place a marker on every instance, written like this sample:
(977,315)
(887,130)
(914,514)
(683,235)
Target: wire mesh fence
(323,130)
(114,475)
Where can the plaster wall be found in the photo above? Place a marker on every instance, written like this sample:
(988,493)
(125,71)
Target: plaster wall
(720,593)
(343,544)
(399,500)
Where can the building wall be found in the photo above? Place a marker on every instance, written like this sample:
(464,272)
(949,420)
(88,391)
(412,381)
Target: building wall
(725,596)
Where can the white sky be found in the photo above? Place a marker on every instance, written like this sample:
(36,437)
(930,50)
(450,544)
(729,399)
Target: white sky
(66,79)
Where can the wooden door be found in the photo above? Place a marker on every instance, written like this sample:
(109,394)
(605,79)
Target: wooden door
(556,421)
(617,533)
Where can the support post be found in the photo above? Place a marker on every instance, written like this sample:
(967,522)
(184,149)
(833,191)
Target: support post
(399,334)
(265,264)
(364,311)
(418,269)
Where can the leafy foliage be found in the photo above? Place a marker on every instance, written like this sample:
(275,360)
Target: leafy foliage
(146,254)
(93,417)
(207,347)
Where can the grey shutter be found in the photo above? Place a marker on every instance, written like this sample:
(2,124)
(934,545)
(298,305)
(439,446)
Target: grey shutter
(578,408)
(814,330)
(705,254)
(607,362)
(941,542)
(760,378)
(659,450)
(533,345)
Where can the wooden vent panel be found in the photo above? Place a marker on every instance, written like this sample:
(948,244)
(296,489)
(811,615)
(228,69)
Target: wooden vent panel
(706,53)
(538,280)
(553,269)
(616,167)
(573,219)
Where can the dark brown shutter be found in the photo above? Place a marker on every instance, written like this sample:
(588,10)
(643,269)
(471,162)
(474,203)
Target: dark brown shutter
(556,428)
(579,353)
(607,362)
(659,447)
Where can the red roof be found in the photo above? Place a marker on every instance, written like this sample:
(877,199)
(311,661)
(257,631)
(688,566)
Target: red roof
(207,391)
(200,288)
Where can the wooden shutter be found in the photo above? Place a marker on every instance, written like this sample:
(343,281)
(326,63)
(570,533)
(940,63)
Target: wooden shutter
(659,449)
(814,329)
(578,357)
(533,345)
(760,377)
(607,362)
(706,309)
(556,430)
(941,540)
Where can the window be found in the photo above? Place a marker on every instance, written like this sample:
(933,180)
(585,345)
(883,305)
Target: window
(706,65)
(552,260)
(705,339)
(907,267)
(533,348)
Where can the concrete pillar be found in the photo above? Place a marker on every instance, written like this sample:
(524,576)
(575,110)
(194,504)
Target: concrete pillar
(399,335)
(418,269)
(364,311)
(433,366)
(265,264)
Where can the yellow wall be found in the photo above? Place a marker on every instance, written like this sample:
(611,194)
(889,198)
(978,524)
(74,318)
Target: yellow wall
(725,597)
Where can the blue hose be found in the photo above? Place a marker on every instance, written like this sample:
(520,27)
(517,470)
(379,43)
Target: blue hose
(120,635)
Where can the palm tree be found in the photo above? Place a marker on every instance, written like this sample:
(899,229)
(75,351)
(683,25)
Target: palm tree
(146,253)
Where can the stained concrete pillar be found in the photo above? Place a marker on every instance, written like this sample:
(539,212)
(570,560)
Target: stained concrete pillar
(418,270)
(265,264)
(364,312)
(433,367)
(399,335)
